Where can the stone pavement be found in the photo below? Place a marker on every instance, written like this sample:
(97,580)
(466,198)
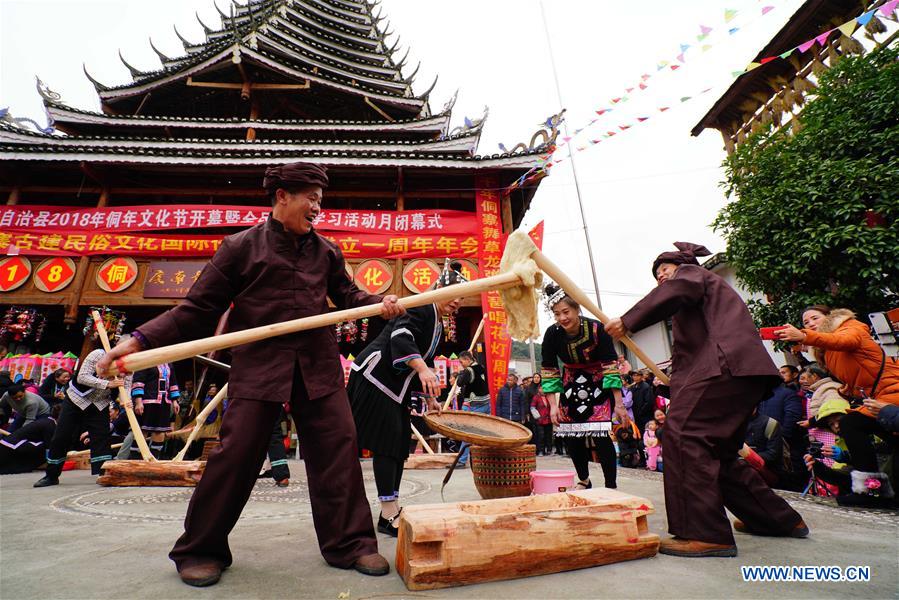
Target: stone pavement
(79,540)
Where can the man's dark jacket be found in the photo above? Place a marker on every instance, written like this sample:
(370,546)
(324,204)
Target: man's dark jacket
(270,275)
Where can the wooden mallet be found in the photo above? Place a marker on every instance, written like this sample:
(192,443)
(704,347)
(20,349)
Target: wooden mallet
(124,400)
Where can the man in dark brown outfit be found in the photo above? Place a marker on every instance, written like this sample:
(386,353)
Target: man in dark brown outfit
(275,271)
(720,372)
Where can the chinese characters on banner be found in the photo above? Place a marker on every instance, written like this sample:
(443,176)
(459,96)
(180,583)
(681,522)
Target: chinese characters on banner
(171,279)
(353,245)
(497,342)
(117,274)
(59,219)
(374,276)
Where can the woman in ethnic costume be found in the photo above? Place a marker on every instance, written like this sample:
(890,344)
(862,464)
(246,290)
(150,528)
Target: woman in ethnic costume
(380,388)
(589,384)
(155,394)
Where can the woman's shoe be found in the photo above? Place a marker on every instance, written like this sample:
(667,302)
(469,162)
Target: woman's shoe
(585,484)
(386,527)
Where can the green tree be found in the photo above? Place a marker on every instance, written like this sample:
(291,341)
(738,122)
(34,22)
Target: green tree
(816,214)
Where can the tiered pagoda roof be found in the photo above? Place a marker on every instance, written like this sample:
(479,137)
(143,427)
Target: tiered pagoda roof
(280,80)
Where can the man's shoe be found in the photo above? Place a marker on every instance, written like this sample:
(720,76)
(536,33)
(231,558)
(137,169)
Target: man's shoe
(46,480)
(800,531)
(283,483)
(201,575)
(372,564)
(695,548)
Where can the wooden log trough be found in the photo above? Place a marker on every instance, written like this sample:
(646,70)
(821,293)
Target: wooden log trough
(444,545)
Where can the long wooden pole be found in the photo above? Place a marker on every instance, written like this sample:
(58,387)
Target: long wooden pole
(474,341)
(124,400)
(572,289)
(216,400)
(156,356)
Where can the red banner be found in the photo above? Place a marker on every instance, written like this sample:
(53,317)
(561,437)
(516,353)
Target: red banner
(61,219)
(498,344)
(353,245)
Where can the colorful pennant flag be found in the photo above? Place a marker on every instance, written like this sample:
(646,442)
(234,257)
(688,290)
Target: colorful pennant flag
(729,15)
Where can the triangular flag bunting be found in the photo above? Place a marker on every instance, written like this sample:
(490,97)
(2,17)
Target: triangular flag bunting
(753,65)
(889,8)
(684,47)
(705,30)
(624,127)
(787,54)
(616,100)
(736,73)
(729,15)
(767,9)
(566,139)
(701,37)
(767,59)
(675,67)
(865,17)
(643,86)
(602,111)
(663,109)
(595,141)
(733,30)
(577,131)
(629,90)
(847,28)
(610,133)
(680,57)
(822,39)
(581,148)
(803,47)
(645,76)
(706,47)
(685,98)
(641,119)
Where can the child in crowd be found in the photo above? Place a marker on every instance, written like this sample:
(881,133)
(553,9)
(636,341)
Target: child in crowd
(653,445)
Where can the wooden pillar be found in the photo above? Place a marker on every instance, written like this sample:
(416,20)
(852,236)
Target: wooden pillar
(13,197)
(400,206)
(254,114)
(71,314)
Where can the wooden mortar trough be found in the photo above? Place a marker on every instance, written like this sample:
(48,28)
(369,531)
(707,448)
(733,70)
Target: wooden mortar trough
(444,545)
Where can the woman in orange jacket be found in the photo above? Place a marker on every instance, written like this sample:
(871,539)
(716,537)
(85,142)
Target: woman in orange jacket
(845,347)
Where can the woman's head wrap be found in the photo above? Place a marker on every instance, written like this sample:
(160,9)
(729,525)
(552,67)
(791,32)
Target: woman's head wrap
(451,275)
(686,255)
(295,175)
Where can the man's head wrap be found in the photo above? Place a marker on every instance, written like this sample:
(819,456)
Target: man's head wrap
(451,275)
(295,175)
(686,255)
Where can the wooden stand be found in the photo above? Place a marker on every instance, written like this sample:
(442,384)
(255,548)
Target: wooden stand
(430,461)
(139,473)
(443,545)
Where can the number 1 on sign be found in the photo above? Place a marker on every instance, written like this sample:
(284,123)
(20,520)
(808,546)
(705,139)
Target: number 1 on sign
(12,272)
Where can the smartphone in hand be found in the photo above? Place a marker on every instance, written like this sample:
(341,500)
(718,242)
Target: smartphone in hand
(767,333)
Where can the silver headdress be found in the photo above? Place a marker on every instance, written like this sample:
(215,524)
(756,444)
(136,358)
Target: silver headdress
(550,300)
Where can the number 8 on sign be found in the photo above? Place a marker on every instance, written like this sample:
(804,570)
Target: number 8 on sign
(54,274)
